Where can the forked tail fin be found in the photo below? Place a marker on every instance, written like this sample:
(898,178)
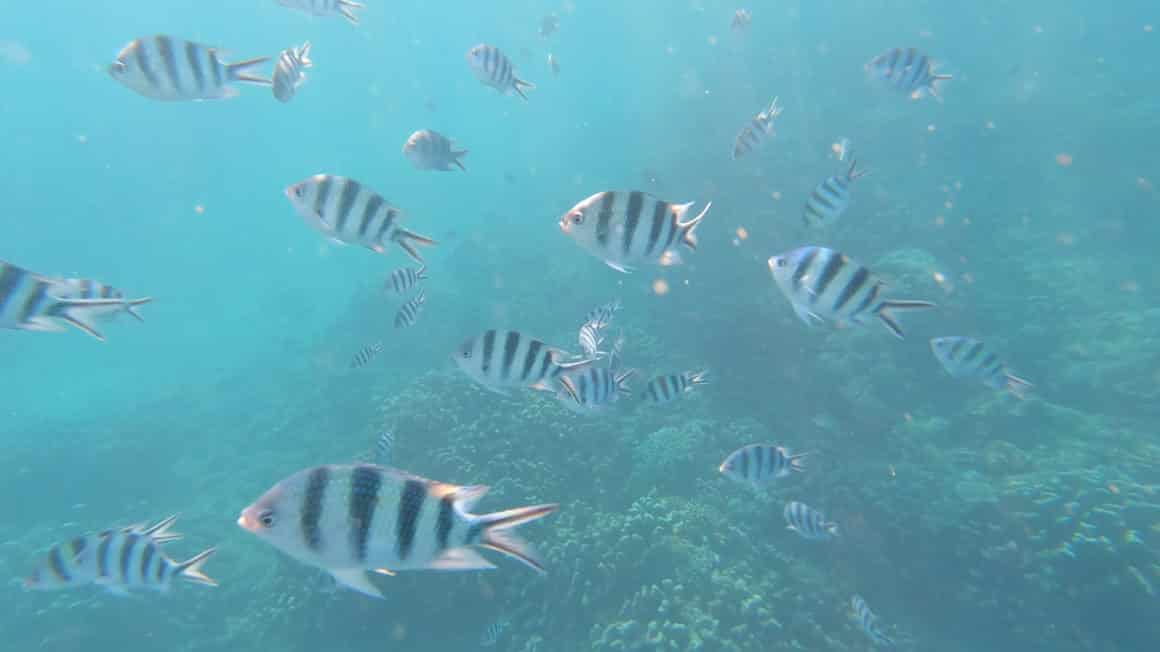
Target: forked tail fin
(688,236)
(81,312)
(518,85)
(347,7)
(190,570)
(407,240)
(1017,386)
(456,155)
(239,71)
(131,305)
(888,319)
(496,533)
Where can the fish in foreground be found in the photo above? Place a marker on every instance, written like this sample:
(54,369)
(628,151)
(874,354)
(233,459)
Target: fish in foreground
(408,313)
(30,302)
(498,360)
(493,68)
(741,20)
(350,519)
(601,316)
(365,355)
(907,71)
(119,560)
(757,464)
(868,622)
(83,288)
(172,69)
(344,8)
(493,632)
(831,198)
(431,150)
(966,357)
(756,132)
(627,228)
(289,71)
(823,284)
(808,522)
(347,212)
(664,389)
(403,279)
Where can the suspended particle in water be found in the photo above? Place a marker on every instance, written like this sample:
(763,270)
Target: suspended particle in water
(742,233)
(199,209)
(1038,29)
(660,287)
(776,195)
(939,278)
(990,124)
(930,128)
(82,139)
(1063,159)
(1148,28)
(1129,286)
(669,258)
(1065,239)
(1143,184)
(939,220)
(712,39)
(948,204)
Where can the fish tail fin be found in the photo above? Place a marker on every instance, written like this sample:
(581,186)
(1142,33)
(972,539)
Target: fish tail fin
(160,532)
(421,273)
(404,239)
(190,570)
(1018,386)
(688,235)
(496,533)
(240,71)
(798,462)
(347,8)
(699,377)
(131,305)
(832,529)
(854,172)
(518,85)
(888,319)
(621,382)
(774,110)
(934,80)
(81,312)
(304,55)
(456,155)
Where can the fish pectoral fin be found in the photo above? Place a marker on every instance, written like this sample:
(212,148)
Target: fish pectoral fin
(623,269)
(357,580)
(805,314)
(385,571)
(461,559)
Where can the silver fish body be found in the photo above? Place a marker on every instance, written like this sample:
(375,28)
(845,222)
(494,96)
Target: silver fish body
(32,302)
(868,622)
(172,69)
(822,284)
(344,8)
(289,71)
(350,519)
(83,288)
(365,355)
(757,464)
(628,228)
(592,389)
(408,313)
(493,68)
(968,358)
(601,316)
(830,198)
(590,340)
(808,522)
(499,359)
(402,280)
(431,150)
(907,71)
(754,134)
(347,212)
(665,389)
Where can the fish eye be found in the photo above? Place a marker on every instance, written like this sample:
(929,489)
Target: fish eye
(298,191)
(266,518)
(577,217)
(781,262)
(117,67)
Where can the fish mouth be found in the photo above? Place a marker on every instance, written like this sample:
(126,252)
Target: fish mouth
(246,521)
(564,224)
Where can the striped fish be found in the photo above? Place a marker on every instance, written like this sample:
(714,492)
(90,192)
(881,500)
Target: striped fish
(171,69)
(348,212)
(866,621)
(664,389)
(431,150)
(402,280)
(627,228)
(830,198)
(741,20)
(601,316)
(82,288)
(408,313)
(384,448)
(756,132)
(29,301)
(344,8)
(350,519)
(965,357)
(823,284)
(907,71)
(808,522)
(289,71)
(493,632)
(493,68)
(119,560)
(590,340)
(757,464)
(498,360)
(593,389)
(365,355)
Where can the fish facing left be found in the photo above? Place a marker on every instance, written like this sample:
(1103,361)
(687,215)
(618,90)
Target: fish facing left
(350,519)
(757,464)
(628,228)
(408,313)
(31,302)
(289,71)
(344,8)
(171,69)
(493,68)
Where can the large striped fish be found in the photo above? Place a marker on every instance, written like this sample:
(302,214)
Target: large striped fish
(172,69)
(499,359)
(756,132)
(966,357)
(348,212)
(344,8)
(626,228)
(31,302)
(351,519)
(868,622)
(907,71)
(431,150)
(83,288)
(289,71)
(757,464)
(830,198)
(493,68)
(823,284)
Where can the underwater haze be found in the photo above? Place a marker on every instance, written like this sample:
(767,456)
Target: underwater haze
(983,172)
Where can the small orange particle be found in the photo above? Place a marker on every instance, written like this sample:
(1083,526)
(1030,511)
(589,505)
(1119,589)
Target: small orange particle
(199,209)
(742,234)
(660,287)
(1063,159)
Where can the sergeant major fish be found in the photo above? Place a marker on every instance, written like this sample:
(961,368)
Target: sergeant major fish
(344,8)
(906,70)
(347,212)
(494,632)
(288,71)
(757,464)
(365,355)
(601,316)
(83,288)
(630,228)
(350,519)
(493,68)
(830,198)
(664,389)
(403,279)
(756,132)
(30,302)
(499,359)
(590,340)
(431,150)
(965,357)
(172,69)
(593,389)
(808,522)
(408,313)
(823,284)
(868,622)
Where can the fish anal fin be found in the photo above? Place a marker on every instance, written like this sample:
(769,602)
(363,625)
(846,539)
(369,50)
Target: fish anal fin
(623,269)
(461,559)
(356,579)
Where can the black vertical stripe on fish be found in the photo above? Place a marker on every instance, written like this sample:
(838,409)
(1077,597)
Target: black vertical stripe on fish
(546,363)
(410,505)
(321,197)
(583,385)
(673,230)
(364,496)
(346,197)
(833,264)
(852,286)
(489,63)
(374,202)
(660,214)
(78,546)
(146,557)
(488,349)
(511,345)
(127,547)
(143,63)
(604,217)
(162,569)
(10,277)
(388,223)
(445,521)
(744,463)
(215,67)
(959,343)
(632,217)
(103,554)
(32,302)
(818,197)
(193,57)
(168,58)
(802,268)
(56,564)
(530,358)
(988,361)
(870,301)
(976,349)
(312,502)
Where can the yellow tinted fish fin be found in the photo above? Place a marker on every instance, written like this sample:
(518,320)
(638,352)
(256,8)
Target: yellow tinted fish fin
(357,580)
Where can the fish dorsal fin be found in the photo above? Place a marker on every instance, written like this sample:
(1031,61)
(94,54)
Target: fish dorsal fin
(357,580)
(461,559)
(467,497)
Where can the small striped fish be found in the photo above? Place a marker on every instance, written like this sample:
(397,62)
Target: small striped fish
(866,621)
(119,560)
(664,389)
(384,448)
(82,288)
(823,284)
(172,69)
(594,388)
(403,279)
(741,20)
(756,132)
(29,301)
(907,71)
(601,316)
(345,8)
(350,519)
(408,313)
(493,68)
(808,522)
(498,360)
(590,340)
(348,212)
(493,632)
(289,71)
(365,355)
(830,198)
(757,464)
(431,150)
(966,357)
(628,228)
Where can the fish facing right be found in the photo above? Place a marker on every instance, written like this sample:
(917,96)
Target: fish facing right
(172,69)
(351,519)
(83,288)
(344,8)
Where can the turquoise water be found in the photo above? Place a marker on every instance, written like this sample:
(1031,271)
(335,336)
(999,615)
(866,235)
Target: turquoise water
(970,520)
